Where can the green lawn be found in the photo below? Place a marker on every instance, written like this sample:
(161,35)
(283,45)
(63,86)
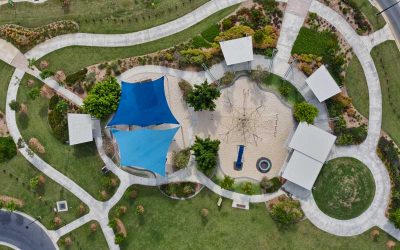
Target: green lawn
(84,238)
(357,87)
(273,82)
(5,248)
(81,163)
(370,11)
(14,178)
(310,41)
(100,16)
(63,58)
(6,72)
(386,57)
(170,224)
(344,189)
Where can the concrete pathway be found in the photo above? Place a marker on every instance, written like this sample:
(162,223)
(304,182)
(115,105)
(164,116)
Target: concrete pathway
(378,37)
(129,39)
(20,1)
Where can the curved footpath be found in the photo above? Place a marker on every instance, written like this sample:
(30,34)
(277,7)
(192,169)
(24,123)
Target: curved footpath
(14,231)
(365,152)
(134,38)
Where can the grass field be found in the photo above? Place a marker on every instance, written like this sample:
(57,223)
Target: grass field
(63,58)
(344,189)
(357,87)
(170,224)
(386,57)
(370,11)
(273,82)
(84,238)
(81,163)
(100,16)
(313,42)
(14,178)
(6,72)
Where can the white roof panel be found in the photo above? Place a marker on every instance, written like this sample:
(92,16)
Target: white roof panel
(302,170)
(322,84)
(312,141)
(237,50)
(79,128)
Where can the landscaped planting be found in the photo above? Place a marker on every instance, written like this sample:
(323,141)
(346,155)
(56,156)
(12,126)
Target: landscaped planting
(17,178)
(195,223)
(344,188)
(101,16)
(77,162)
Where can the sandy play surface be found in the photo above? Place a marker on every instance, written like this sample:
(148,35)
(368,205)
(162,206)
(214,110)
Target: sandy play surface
(246,115)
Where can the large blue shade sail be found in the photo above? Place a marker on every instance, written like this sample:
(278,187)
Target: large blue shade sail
(143,104)
(145,148)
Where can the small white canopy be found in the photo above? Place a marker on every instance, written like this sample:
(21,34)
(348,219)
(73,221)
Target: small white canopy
(302,170)
(237,50)
(322,84)
(79,128)
(312,141)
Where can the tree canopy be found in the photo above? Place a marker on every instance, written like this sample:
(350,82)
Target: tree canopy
(103,99)
(202,97)
(206,152)
(287,212)
(305,112)
(7,149)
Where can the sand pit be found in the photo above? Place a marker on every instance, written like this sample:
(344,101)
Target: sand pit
(246,115)
(184,136)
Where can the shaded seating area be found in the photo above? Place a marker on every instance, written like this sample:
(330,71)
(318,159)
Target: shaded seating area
(143,106)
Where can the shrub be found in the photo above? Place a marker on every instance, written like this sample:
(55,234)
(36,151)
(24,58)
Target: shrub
(186,88)
(188,190)
(305,112)
(287,212)
(226,24)
(395,217)
(258,75)
(266,37)
(272,185)
(227,183)
(8,149)
(103,99)
(210,33)
(247,188)
(53,102)
(284,90)
(227,79)
(119,238)
(258,37)
(34,93)
(206,152)
(58,118)
(181,158)
(14,105)
(139,209)
(76,77)
(203,96)
(235,32)
(46,74)
(34,182)
(204,212)
(133,195)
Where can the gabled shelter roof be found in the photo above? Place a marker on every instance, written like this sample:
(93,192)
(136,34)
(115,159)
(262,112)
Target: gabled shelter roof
(143,104)
(144,148)
(322,84)
(237,50)
(79,128)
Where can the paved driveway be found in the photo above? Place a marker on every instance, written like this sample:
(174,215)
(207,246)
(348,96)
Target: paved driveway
(13,231)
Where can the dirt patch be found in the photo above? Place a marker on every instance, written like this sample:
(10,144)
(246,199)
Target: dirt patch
(3,125)
(24,108)
(36,146)
(121,227)
(46,92)
(6,199)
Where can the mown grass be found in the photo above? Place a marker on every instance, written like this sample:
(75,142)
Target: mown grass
(370,11)
(71,59)
(14,178)
(344,189)
(84,238)
(6,72)
(100,16)
(274,82)
(310,41)
(356,85)
(171,224)
(81,163)
(386,57)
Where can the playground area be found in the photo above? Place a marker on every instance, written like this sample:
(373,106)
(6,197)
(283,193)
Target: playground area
(183,137)
(251,124)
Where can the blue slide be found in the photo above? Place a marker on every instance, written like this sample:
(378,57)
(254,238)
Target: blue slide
(238,162)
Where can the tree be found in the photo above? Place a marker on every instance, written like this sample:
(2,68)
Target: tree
(14,105)
(227,183)
(34,93)
(203,96)
(305,112)
(7,149)
(93,227)
(395,217)
(103,99)
(204,212)
(205,151)
(287,211)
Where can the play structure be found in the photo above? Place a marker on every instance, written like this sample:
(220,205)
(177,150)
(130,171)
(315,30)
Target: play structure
(238,165)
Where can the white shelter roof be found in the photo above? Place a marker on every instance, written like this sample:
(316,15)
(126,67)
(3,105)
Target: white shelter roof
(312,141)
(322,84)
(237,50)
(302,170)
(79,128)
